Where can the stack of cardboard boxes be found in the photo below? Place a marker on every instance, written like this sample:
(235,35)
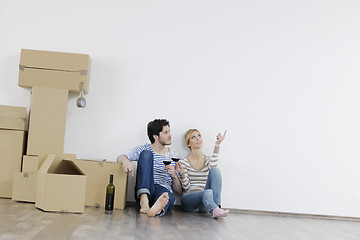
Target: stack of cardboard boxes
(53,180)
(12,137)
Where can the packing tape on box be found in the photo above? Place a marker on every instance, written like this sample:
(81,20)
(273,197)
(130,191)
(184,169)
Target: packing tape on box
(101,163)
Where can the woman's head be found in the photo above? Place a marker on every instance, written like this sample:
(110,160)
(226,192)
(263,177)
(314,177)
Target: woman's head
(193,138)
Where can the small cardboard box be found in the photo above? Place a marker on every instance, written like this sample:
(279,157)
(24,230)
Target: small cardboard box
(24,187)
(31,164)
(11,151)
(54,70)
(61,185)
(97,177)
(13,118)
(47,121)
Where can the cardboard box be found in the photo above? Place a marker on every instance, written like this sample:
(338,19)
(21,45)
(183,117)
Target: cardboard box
(31,164)
(60,185)
(54,70)
(47,121)
(24,187)
(12,117)
(11,151)
(97,177)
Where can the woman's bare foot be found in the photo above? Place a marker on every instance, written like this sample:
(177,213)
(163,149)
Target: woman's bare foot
(144,203)
(159,204)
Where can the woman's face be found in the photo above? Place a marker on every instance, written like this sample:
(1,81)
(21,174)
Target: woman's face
(195,140)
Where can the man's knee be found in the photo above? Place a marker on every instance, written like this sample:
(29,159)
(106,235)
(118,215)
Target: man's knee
(145,158)
(145,154)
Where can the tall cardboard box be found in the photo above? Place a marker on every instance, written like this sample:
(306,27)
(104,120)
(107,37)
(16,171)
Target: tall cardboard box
(54,70)
(12,118)
(97,177)
(60,185)
(47,121)
(11,151)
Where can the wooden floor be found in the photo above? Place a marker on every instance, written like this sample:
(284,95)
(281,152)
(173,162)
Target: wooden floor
(20,221)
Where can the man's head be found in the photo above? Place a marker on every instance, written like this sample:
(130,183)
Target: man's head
(159,130)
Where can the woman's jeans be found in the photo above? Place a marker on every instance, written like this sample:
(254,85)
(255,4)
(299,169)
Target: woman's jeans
(206,200)
(145,182)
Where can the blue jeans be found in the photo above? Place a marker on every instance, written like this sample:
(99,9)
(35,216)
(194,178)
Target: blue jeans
(207,199)
(145,182)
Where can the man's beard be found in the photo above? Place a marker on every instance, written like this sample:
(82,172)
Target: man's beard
(162,142)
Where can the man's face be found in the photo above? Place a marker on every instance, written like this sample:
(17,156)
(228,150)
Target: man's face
(165,136)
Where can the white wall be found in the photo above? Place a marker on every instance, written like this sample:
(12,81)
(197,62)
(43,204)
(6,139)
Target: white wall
(281,76)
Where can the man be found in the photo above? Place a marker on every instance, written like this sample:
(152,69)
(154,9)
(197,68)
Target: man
(155,182)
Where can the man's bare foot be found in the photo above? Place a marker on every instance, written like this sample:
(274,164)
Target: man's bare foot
(159,204)
(144,204)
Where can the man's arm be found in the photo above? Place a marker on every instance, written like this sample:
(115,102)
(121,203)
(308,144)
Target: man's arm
(126,164)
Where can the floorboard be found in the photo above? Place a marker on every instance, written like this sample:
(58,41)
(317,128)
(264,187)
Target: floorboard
(22,221)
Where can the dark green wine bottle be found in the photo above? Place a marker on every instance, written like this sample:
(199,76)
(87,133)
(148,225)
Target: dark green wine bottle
(110,193)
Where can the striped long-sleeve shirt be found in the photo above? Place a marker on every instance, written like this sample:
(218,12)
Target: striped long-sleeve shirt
(161,177)
(193,180)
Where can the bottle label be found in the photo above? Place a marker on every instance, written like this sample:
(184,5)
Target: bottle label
(109,204)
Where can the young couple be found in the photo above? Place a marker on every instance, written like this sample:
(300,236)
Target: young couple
(196,177)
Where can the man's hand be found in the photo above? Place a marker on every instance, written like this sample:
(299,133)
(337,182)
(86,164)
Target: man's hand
(126,164)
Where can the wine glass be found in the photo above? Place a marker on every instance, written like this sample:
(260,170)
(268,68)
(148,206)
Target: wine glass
(175,159)
(166,161)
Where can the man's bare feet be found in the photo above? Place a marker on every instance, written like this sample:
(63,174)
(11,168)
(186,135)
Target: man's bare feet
(144,203)
(159,204)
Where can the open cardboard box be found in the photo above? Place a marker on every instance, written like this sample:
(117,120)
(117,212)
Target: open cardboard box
(54,70)
(61,185)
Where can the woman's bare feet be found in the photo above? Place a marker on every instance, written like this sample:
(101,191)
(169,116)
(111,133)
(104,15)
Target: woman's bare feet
(159,204)
(144,203)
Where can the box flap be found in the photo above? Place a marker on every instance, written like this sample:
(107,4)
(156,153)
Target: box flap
(58,61)
(13,118)
(50,158)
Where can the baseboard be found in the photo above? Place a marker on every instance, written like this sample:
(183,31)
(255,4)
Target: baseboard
(273,213)
(289,214)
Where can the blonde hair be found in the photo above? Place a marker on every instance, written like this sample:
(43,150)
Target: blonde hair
(188,135)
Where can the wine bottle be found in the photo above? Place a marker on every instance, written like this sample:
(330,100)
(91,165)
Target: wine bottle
(110,192)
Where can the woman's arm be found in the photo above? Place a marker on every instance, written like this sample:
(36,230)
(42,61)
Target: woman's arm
(183,173)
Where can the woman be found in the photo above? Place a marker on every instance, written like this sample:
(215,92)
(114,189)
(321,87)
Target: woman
(200,177)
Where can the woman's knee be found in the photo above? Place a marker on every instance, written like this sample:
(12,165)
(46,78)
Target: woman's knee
(215,171)
(208,193)
(215,174)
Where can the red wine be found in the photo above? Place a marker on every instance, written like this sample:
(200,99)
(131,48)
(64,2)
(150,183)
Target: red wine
(166,162)
(175,159)
(110,193)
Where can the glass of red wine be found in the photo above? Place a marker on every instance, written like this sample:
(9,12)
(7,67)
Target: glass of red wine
(175,159)
(166,161)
